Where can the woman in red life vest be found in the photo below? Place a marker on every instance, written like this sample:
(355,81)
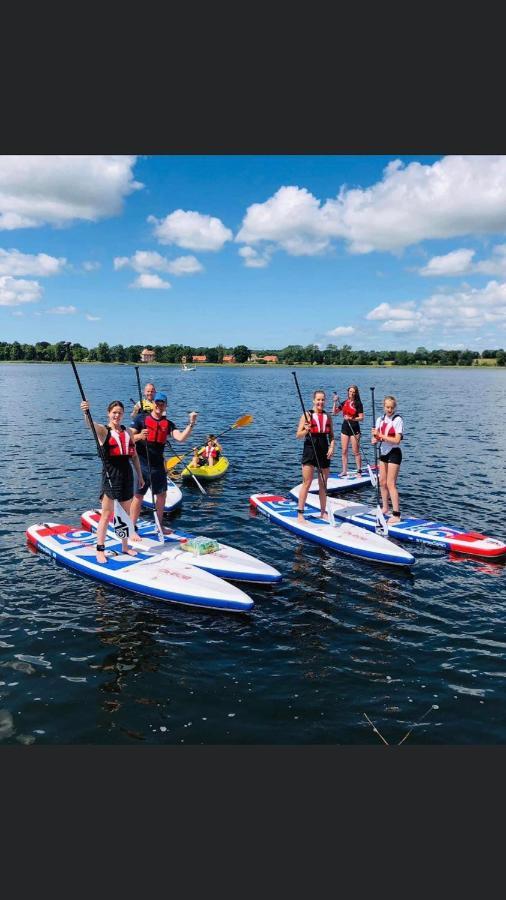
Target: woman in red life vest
(316,429)
(388,432)
(119,449)
(353,413)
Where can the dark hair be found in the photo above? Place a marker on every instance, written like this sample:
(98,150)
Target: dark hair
(211,437)
(357,392)
(115,403)
(319,391)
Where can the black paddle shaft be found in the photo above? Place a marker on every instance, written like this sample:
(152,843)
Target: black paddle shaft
(304,411)
(375,448)
(89,416)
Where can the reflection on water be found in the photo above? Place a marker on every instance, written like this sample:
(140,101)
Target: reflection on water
(335,641)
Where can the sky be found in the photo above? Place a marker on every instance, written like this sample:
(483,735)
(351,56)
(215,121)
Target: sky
(378,252)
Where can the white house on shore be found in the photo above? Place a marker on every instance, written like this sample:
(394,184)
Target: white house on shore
(147,356)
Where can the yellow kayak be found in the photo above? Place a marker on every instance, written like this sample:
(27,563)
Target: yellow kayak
(207,472)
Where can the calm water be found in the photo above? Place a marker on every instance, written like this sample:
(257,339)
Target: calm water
(81,663)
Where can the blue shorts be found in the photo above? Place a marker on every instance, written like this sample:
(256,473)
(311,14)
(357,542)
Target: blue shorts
(158,483)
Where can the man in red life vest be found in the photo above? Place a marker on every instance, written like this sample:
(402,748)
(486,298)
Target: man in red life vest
(151,431)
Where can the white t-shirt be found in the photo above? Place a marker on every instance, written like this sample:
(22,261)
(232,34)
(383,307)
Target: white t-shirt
(389,426)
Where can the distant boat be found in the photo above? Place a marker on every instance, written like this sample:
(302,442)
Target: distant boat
(185,368)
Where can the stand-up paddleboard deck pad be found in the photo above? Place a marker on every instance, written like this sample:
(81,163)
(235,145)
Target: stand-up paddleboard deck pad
(226,562)
(422,531)
(173,497)
(153,575)
(345,538)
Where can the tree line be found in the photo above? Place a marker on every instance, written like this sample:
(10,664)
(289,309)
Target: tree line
(43,351)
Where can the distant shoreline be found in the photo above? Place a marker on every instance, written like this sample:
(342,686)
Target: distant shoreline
(46,362)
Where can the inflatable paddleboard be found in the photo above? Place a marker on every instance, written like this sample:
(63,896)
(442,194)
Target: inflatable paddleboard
(423,531)
(225,562)
(345,482)
(173,499)
(207,472)
(346,538)
(152,574)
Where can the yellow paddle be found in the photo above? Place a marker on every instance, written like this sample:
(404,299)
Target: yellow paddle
(173,461)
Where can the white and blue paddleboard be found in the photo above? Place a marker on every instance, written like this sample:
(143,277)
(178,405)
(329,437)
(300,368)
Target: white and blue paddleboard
(172,500)
(422,531)
(345,538)
(154,575)
(226,562)
(338,483)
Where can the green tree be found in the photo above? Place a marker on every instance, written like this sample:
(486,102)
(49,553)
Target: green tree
(241,353)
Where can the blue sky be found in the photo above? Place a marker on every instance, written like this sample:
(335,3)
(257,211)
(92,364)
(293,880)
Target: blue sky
(378,252)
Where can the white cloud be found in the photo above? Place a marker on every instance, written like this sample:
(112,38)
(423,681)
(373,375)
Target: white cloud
(253,259)
(62,310)
(458,262)
(92,318)
(15,263)
(144,260)
(386,311)
(340,331)
(496,265)
(191,230)
(17,312)
(90,266)
(455,196)
(59,190)
(14,291)
(149,281)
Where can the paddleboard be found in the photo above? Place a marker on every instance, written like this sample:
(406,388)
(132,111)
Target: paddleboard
(173,499)
(226,562)
(345,482)
(422,531)
(152,574)
(207,472)
(345,538)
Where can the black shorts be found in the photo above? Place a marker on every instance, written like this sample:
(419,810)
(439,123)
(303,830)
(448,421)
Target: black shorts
(393,456)
(309,459)
(158,483)
(122,480)
(350,428)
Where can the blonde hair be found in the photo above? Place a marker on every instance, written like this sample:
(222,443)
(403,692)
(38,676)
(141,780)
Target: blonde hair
(390,397)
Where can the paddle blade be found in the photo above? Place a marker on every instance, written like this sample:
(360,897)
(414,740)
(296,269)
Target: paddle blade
(372,476)
(123,525)
(330,511)
(244,420)
(172,462)
(159,529)
(381,522)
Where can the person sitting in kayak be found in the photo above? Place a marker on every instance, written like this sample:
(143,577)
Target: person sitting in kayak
(353,413)
(147,401)
(316,429)
(389,432)
(151,432)
(207,455)
(119,450)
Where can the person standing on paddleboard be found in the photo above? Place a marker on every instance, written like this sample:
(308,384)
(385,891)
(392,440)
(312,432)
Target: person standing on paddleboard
(147,402)
(353,413)
(118,446)
(151,432)
(316,428)
(389,432)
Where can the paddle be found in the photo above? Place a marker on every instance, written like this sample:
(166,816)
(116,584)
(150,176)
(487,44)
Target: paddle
(180,458)
(240,423)
(320,473)
(123,525)
(158,525)
(381,525)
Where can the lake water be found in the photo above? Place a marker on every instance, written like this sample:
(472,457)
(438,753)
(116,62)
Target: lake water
(336,641)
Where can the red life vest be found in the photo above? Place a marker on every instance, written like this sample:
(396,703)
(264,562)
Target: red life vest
(320,423)
(208,452)
(118,443)
(158,429)
(387,428)
(348,408)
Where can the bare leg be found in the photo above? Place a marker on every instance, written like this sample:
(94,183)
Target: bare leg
(355,446)
(345,440)
(322,490)
(126,504)
(307,477)
(392,474)
(160,509)
(135,507)
(383,469)
(107,510)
